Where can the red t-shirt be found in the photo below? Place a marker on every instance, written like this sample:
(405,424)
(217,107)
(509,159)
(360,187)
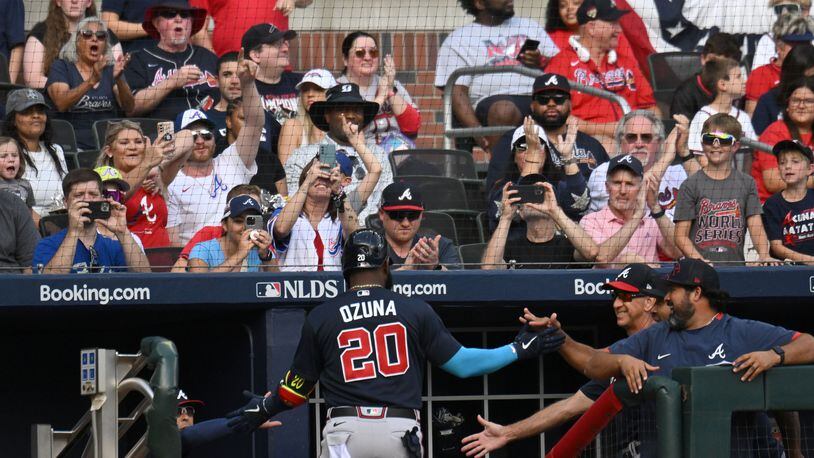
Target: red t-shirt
(623,78)
(204,235)
(762,79)
(560,38)
(234,17)
(766,161)
(147,218)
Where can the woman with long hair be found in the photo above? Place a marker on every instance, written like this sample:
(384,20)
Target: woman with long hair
(398,121)
(28,124)
(300,131)
(47,38)
(85,84)
(148,169)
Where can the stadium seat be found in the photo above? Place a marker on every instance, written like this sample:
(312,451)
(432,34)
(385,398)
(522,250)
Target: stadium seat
(4,77)
(53,223)
(471,254)
(433,162)
(667,71)
(467,228)
(439,193)
(440,223)
(64,135)
(148,125)
(71,160)
(86,159)
(162,259)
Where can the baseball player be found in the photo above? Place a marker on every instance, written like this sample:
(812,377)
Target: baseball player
(368,347)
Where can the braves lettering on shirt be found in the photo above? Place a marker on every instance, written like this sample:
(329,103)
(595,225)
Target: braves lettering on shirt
(719,224)
(798,228)
(504,52)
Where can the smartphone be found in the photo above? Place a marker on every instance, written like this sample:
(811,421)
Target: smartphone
(327,154)
(529,45)
(254,222)
(99,210)
(529,193)
(166,129)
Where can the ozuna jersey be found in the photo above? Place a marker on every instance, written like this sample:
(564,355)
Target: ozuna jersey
(369,347)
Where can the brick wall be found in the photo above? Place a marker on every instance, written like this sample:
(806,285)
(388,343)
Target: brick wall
(415,55)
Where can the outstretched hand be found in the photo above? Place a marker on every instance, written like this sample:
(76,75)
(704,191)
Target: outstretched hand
(490,439)
(531,342)
(251,416)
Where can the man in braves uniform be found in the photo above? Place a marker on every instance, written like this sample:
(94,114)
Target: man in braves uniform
(637,292)
(172,75)
(368,348)
(592,60)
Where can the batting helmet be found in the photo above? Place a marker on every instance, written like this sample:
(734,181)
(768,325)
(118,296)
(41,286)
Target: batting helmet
(365,249)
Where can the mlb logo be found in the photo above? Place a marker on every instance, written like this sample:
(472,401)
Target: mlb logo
(268,289)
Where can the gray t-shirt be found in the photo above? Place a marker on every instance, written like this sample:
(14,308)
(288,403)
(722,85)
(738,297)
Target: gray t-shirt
(20,188)
(18,236)
(718,210)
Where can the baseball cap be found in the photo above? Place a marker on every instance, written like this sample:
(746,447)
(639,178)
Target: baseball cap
(796,38)
(265,33)
(694,272)
(627,161)
(637,278)
(604,10)
(401,196)
(183,400)
(112,175)
(319,77)
(240,205)
(519,136)
(190,116)
(793,145)
(551,82)
(22,99)
(345,164)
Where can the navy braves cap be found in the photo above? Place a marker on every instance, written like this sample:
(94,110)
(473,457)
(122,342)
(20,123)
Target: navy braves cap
(183,400)
(401,196)
(793,145)
(240,205)
(604,10)
(694,272)
(551,82)
(345,164)
(627,161)
(637,278)
(259,34)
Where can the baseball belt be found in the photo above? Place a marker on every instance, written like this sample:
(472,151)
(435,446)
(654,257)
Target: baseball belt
(374,412)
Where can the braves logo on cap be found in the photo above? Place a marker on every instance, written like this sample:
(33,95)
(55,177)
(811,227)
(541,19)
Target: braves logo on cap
(272,28)
(31,94)
(627,158)
(591,13)
(347,88)
(406,195)
(623,274)
(552,80)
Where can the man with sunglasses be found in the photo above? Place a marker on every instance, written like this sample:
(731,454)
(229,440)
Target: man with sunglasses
(197,196)
(81,248)
(401,213)
(172,75)
(637,292)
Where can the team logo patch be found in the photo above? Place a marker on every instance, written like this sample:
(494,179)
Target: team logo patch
(591,13)
(552,80)
(268,289)
(406,195)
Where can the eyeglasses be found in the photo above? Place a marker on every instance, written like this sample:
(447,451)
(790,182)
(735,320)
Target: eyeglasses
(786,8)
(170,14)
(801,102)
(88,34)
(360,52)
(558,98)
(399,215)
(633,138)
(188,411)
(717,139)
(203,133)
(626,296)
(115,194)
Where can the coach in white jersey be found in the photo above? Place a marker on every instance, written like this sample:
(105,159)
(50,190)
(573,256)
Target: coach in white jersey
(641,134)
(197,196)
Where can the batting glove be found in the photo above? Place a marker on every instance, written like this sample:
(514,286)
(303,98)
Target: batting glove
(249,417)
(531,343)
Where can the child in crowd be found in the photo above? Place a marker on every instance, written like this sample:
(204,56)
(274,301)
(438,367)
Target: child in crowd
(11,174)
(725,79)
(789,214)
(717,204)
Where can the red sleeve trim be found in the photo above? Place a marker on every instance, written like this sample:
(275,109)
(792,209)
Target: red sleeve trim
(796,335)
(409,121)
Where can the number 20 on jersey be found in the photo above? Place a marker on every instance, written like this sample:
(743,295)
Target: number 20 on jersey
(388,342)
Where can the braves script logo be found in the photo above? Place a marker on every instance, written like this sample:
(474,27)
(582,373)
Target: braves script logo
(615,79)
(798,228)
(504,52)
(147,210)
(667,197)
(206,78)
(719,225)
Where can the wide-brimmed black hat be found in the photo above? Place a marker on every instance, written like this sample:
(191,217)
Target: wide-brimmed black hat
(342,95)
(198,16)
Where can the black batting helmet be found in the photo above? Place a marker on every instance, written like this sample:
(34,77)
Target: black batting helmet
(365,249)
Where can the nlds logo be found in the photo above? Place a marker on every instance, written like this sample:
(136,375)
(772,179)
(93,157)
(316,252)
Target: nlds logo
(582,288)
(297,289)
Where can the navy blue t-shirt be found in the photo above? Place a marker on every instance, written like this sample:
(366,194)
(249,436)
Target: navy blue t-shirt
(131,11)
(12,32)
(280,103)
(766,111)
(97,104)
(107,255)
(370,347)
(791,222)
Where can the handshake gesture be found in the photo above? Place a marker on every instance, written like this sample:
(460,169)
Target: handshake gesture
(536,338)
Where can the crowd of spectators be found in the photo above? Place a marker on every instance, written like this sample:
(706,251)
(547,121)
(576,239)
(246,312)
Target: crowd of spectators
(266,168)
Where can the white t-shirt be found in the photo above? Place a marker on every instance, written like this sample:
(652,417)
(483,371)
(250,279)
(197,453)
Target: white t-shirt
(193,203)
(300,251)
(477,45)
(46,181)
(668,189)
(697,125)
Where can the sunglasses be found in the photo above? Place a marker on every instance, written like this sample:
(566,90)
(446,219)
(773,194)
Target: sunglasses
(633,138)
(626,296)
(399,215)
(88,34)
(115,194)
(717,139)
(360,52)
(558,99)
(203,133)
(792,8)
(170,14)
(188,411)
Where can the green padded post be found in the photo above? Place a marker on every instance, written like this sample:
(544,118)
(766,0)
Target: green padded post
(711,394)
(667,395)
(163,438)
(789,388)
